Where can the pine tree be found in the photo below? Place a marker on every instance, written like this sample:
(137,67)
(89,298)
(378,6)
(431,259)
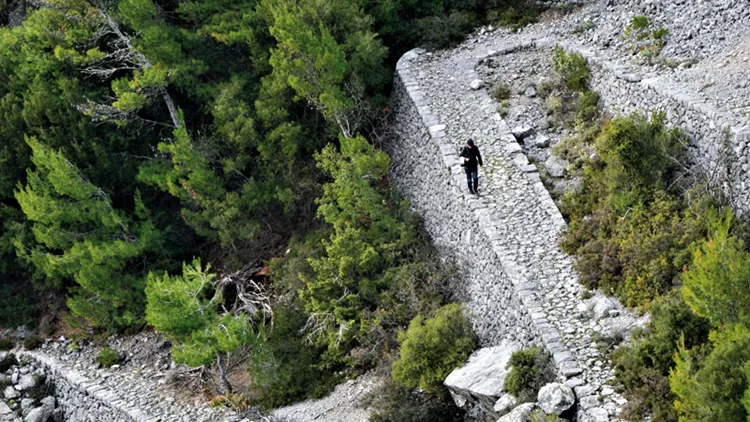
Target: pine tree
(77,234)
(188,309)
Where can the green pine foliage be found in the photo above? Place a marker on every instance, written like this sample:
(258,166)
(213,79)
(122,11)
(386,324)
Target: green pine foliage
(433,347)
(710,380)
(107,357)
(186,309)
(642,368)
(716,285)
(77,234)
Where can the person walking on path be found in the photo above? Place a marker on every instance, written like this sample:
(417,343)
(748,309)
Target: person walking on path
(471,158)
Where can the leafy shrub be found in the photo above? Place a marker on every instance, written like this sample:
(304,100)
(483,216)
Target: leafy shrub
(572,67)
(393,403)
(516,14)
(32,342)
(644,42)
(6,343)
(710,381)
(531,369)
(107,357)
(630,236)
(16,305)
(7,362)
(442,31)
(583,27)
(716,284)
(286,369)
(431,348)
(501,91)
(539,416)
(642,368)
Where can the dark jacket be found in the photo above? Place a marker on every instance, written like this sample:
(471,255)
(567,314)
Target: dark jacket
(473,155)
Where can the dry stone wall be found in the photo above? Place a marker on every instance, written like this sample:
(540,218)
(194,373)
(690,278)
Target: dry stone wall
(427,172)
(133,392)
(519,285)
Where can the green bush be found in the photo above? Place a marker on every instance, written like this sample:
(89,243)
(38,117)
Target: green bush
(32,342)
(630,236)
(286,369)
(530,370)
(539,416)
(16,305)
(516,14)
(6,343)
(107,357)
(642,368)
(572,67)
(716,284)
(431,348)
(501,91)
(7,362)
(442,31)
(394,403)
(710,382)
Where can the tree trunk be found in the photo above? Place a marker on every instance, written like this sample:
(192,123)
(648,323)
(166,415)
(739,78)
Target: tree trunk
(223,376)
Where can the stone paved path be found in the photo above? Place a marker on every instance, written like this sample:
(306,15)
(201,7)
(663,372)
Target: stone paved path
(524,222)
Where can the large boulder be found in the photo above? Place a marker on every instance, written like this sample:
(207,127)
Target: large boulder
(556,166)
(11,393)
(555,398)
(40,414)
(505,404)
(480,381)
(476,84)
(519,414)
(25,382)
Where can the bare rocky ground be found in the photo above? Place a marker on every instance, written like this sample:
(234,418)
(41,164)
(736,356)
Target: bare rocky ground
(342,405)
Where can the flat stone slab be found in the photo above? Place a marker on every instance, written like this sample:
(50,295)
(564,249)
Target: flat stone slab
(480,381)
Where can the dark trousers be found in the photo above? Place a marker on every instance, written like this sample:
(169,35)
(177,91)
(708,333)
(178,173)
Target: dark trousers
(472,175)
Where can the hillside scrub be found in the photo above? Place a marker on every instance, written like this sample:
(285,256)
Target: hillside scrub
(643,231)
(432,348)
(630,228)
(530,370)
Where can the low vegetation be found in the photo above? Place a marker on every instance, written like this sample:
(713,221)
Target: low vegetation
(530,370)
(107,357)
(646,228)
(431,348)
(5,343)
(645,41)
(32,342)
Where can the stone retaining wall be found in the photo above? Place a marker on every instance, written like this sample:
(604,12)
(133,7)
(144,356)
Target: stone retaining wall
(505,303)
(427,174)
(85,400)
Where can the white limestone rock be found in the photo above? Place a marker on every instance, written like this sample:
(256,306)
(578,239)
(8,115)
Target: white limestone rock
(480,381)
(519,414)
(602,306)
(476,84)
(27,381)
(11,393)
(597,414)
(556,166)
(505,404)
(541,141)
(522,132)
(555,398)
(40,414)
